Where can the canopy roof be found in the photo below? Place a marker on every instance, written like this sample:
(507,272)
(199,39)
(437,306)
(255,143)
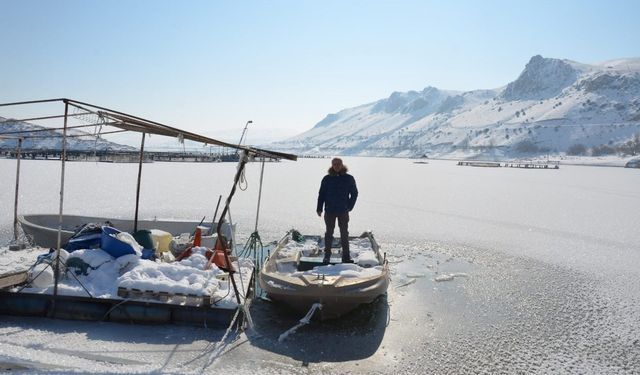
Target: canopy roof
(137,124)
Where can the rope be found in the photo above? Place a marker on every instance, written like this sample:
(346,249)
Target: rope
(259,194)
(222,344)
(233,232)
(96,133)
(79,282)
(250,250)
(243,184)
(247,315)
(226,295)
(116,306)
(49,263)
(233,243)
(251,246)
(303,321)
(30,270)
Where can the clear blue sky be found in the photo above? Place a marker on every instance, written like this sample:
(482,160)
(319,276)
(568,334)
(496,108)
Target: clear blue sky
(209,66)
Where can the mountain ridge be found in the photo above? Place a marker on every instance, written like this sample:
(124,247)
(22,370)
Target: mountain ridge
(552,105)
(38,137)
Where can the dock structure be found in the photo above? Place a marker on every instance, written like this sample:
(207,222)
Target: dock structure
(138,306)
(479,164)
(521,164)
(128,310)
(529,165)
(121,156)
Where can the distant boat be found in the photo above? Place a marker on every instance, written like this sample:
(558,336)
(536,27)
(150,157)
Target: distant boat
(295,274)
(420,162)
(633,163)
(42,229)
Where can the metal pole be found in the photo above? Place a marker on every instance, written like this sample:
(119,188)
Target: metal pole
(213,221)
(259,195)
(243,162)
(63,157)
(135,222)
(33,102)
(244,131)
(15,205)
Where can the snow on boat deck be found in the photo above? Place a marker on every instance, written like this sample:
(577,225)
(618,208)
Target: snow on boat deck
(105,274)
(365,261)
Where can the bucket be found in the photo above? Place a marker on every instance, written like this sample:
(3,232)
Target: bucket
(209,241)
(112,245)
(148,254)
(143,237)
(162,238)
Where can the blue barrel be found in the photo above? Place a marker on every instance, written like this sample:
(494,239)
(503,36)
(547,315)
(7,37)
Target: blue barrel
(112,245)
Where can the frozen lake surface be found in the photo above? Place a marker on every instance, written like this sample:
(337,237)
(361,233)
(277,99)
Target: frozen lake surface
(493,270)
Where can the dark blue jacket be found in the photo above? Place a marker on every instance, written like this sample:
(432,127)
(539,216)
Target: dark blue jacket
(338,193)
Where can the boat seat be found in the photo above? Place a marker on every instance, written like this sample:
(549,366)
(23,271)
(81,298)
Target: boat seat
(288,263)
(307,263)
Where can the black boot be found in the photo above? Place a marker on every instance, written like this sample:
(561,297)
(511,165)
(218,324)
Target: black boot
(327,258)
(346,257)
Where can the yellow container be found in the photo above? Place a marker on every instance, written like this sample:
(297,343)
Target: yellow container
(162,238)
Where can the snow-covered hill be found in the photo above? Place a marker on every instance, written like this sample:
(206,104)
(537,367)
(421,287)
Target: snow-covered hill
(553,106)
(52,139)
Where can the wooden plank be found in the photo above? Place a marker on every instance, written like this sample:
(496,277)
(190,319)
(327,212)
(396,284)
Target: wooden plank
(187,299)
(13,278)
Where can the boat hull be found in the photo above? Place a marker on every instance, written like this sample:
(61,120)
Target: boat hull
(42,229)
(338,295)
(335,301)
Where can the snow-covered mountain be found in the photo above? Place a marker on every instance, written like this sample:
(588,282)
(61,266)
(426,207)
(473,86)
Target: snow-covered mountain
(52,139)
(552,106)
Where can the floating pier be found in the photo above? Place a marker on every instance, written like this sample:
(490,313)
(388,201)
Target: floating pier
(136,307)
(525,165)
(532,165)
(479,164)
(112,310)
(121,156)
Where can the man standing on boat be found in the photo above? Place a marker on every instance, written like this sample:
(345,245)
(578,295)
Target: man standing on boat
(338,194)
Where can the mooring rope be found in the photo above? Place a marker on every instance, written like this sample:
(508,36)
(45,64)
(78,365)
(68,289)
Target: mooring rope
(250,250)
(233,241)
(222,344)
(303,321)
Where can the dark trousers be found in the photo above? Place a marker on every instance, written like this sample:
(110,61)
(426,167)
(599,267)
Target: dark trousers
(343,224)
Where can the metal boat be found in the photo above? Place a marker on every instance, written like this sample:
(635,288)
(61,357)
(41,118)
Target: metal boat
(42,229)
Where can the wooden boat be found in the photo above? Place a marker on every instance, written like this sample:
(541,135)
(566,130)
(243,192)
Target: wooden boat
(42,229)
(295,274)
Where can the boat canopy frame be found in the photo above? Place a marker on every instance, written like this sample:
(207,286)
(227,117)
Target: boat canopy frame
(125,122)
(137,124)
